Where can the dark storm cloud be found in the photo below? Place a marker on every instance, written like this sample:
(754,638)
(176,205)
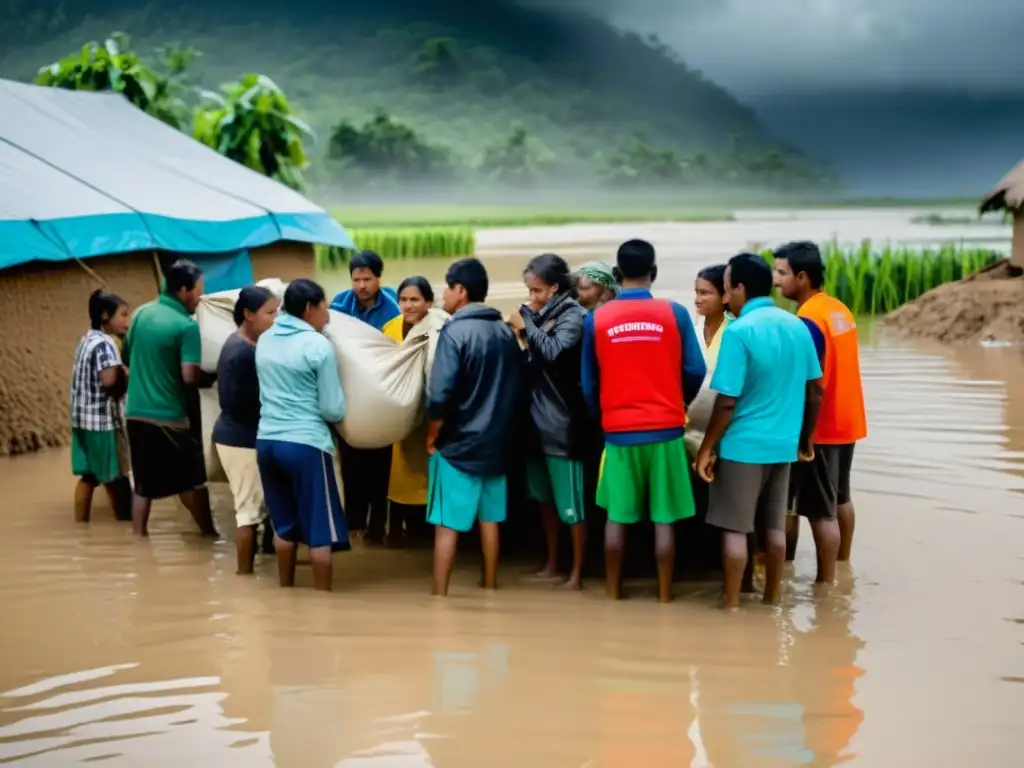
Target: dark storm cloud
(752,46)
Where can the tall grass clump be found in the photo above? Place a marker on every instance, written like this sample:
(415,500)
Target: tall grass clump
(875,281)
(403,243)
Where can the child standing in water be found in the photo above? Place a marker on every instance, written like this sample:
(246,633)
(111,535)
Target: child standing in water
(98,384)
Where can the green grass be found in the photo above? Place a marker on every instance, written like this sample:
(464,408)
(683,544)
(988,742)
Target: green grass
(403,243)
(483,216)
(875,281)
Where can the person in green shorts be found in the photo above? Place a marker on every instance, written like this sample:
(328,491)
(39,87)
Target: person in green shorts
(551,326)
(98,384)
(472,407)
(641,367)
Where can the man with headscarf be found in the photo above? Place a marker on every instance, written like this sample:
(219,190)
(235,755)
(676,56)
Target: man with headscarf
(595,284)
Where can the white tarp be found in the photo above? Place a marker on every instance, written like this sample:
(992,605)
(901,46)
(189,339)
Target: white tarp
(93,174)
(384,382)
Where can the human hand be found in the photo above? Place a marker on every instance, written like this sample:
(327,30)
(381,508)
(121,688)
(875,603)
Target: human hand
(705,464)
(515,321)
(805,453)
(431,448)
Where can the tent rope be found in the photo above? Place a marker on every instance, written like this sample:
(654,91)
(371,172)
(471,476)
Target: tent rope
(92,273)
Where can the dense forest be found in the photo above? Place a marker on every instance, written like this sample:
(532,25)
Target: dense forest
(458,91)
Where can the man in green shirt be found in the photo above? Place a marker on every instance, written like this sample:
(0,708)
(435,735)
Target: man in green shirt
(162,351)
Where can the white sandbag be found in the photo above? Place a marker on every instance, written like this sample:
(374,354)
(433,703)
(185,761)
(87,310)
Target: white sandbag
(215,315)
(383,382)
(209,406)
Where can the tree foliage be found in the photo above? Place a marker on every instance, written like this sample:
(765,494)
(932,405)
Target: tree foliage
(251,122)
(110,66)
(385,149)
(518,161)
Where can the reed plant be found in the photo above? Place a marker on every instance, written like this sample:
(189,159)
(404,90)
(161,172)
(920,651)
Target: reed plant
(403,243)
(875,281)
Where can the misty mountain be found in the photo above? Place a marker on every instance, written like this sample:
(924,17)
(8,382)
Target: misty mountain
(462,73)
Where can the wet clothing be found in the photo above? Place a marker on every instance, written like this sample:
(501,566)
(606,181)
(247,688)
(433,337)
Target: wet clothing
(651,478)
(98,456)
(554,342)
(842,419)
(407,484)
(817,487)
(845,465)
(745,494)
(300,389)
(302,496)
(383,309)
(457,499)
(166,460)
(641,365)
(242,469)
(238,389)
(92,406)
(766,359)
(558,481)
(475,386)
(162,337)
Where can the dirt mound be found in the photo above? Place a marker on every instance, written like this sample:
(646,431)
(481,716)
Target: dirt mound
(987,306)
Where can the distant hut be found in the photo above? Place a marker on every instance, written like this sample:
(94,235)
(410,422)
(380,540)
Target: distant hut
(1008,195)
(93,192)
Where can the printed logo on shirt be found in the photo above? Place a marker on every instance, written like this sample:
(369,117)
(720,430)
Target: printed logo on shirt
(840,323)
(636,332)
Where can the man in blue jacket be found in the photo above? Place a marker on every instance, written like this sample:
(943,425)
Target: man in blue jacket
(365,472)
(473,401)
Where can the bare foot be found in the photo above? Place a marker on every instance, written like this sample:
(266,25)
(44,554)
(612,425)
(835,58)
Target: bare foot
(574,585)
(547,572)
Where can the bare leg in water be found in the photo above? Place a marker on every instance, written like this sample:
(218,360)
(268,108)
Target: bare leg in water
(140,515)
(826,543)
(323,568)
(774,560)
(445,542)
(286,554)
(549,521)
(792,535)
(245,546)
(490,543)
(747,585)
(665,555)
(578,533)
(734,562)
(847,522)
(196,501)
(83,500)
(614,546)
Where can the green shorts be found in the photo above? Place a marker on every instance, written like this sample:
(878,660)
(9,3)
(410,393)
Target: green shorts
(456,500)
(652,478)
(95,455)
(557,481)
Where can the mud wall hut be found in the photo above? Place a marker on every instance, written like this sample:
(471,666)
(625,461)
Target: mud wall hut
(95,193)
(1008,195)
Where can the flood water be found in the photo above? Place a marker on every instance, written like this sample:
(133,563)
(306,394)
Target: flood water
(155,653)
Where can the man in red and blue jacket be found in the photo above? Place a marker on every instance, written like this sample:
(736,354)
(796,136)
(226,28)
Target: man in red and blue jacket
(642,365)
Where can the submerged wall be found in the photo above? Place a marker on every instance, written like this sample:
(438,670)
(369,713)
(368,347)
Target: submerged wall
(46,313)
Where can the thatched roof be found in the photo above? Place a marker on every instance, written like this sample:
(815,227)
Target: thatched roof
(1008,193)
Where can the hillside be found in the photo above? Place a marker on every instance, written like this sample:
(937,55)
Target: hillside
(462,74)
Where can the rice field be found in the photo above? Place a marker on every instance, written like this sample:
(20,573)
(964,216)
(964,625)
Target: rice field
(875,281)
(403,243)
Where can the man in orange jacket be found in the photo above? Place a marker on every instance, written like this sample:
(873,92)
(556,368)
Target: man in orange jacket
(820,489)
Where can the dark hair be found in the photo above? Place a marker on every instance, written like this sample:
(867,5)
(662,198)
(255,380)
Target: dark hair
(635,259)
(250,298)
(301,293)
(417,281)
(752,272)
(804,256)
(715,275)
(370,260)
(552,269)
(102,307)
(471,275)
(181,275)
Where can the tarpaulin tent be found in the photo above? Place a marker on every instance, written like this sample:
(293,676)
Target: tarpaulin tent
(94,192)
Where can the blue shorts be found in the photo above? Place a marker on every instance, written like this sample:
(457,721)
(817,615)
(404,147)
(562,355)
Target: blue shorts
(301,492)
(456,500)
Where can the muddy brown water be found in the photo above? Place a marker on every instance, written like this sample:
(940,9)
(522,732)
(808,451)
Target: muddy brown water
(154,653)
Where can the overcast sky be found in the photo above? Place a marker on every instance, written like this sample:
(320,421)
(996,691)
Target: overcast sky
(752,46)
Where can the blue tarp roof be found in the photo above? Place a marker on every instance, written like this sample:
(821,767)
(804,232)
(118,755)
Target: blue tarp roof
(88,174)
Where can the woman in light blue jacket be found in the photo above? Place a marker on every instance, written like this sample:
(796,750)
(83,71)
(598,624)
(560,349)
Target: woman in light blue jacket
(300,396)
